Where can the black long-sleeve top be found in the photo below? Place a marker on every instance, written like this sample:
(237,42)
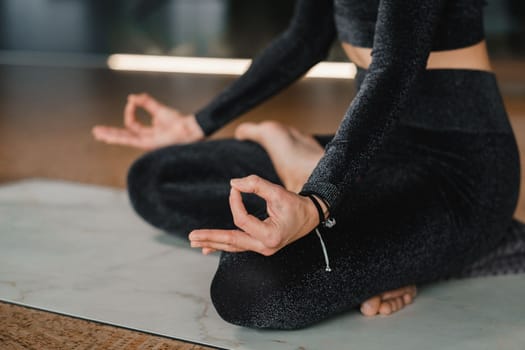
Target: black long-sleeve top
(401,33)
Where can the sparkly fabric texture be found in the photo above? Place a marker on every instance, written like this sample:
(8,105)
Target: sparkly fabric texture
(402,34)
(435,203)
(289,56)
(460,25)
(508,257)
(422,174)
(431,207)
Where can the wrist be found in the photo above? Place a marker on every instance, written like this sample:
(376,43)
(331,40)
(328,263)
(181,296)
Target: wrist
(312,215)
(322,209)
(324,206)
(193,128)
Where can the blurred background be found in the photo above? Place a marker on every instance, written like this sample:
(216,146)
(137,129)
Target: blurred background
(55,83)
(216,28)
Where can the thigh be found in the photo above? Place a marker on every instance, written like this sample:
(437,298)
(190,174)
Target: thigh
(184,187)
(393,229)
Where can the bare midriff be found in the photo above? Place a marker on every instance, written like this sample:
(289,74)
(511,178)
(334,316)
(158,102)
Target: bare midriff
(472,57)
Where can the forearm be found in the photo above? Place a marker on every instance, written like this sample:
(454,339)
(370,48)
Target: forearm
(287,58)
(396,65)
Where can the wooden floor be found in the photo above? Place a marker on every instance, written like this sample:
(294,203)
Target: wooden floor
(24,328)
(46,115)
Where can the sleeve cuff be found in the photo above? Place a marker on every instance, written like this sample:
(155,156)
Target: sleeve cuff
(327,191)
(207,125)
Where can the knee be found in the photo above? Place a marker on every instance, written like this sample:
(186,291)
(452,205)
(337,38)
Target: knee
(140,179)
(144,191)
(256,300)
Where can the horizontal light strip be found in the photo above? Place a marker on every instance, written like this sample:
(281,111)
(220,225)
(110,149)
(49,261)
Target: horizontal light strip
(219,66)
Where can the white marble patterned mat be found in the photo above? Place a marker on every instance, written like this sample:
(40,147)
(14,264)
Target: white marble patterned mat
(80,250)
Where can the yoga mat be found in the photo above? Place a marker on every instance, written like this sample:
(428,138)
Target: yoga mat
(80,250)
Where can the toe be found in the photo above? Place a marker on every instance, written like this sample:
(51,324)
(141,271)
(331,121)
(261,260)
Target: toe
(395,293)
(399,303)
(371,306)
(407,299)
(385,308)
(393,305)
(395,300)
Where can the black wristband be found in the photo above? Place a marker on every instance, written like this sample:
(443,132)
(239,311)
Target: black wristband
(318,207)
(330,221)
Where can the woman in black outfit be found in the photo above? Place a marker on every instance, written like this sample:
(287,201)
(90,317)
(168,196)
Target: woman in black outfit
(421,178)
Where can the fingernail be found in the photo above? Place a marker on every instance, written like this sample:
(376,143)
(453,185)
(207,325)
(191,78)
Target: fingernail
(234,181)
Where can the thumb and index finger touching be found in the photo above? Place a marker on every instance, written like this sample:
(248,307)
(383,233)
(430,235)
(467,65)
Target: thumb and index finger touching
(258,186)
(144,101)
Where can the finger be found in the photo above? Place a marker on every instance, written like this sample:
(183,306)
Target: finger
(147,102)
(214,246)
(110,133)
(242,219)
(130,118)
(257,185)
(227,240)
(119,136)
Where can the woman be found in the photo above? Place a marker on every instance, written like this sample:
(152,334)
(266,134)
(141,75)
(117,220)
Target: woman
(420,179)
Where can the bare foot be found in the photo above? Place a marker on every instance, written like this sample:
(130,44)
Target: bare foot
(388,302)
(293,154)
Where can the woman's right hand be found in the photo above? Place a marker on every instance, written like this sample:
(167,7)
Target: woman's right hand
(168,126)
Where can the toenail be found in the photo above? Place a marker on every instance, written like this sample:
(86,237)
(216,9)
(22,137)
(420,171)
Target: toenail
(366,307)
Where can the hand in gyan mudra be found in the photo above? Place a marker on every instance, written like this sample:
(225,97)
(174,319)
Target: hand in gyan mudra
(291,217)
(168,126)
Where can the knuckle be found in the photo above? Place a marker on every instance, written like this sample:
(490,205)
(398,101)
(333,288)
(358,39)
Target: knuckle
(276,196)
(270,124)
(239,221)
(273,241)
(268,251)
(253,179)
(230,239)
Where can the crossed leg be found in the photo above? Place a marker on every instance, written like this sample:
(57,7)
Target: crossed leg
(393,231)
(294,155)
(181,188)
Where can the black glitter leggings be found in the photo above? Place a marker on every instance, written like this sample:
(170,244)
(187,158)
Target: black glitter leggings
(432,202)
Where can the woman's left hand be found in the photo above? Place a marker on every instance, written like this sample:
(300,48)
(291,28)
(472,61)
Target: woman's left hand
(291,217)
